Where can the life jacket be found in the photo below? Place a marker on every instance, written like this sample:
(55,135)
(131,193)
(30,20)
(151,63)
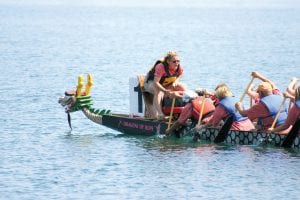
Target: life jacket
(272,103)
(197,104)
(167,79)
(167,105)
(297,104)
(229,104)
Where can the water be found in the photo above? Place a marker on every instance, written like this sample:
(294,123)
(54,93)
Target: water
(45,45)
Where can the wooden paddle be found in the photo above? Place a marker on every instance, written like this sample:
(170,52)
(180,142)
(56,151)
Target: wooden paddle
(224,130)
(171,114)
(290,105)
(291,136)
(278,113)
(280,108)
(247,88)
(201,111)
(195,130)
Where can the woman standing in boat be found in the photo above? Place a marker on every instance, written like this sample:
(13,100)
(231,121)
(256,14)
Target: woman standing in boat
(226,108)
(163,79)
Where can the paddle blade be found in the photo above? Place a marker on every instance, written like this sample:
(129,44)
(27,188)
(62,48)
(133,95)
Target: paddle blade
(291,136)
(224,130)
(69,120)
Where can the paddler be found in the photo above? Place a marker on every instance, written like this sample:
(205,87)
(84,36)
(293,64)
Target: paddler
(193,108)
(266,109)
(294,113)
(226,108)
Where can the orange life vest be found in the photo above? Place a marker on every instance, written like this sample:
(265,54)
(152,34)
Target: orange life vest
(197,104)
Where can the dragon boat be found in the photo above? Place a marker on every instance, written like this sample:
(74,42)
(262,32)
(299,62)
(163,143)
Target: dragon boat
(78,100)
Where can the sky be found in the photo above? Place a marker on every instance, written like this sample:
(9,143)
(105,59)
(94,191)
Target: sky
(164,3)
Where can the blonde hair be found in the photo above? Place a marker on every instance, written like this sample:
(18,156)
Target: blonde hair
(170,55)
(220,85)
(222,91)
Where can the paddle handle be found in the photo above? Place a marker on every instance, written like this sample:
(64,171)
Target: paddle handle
(201,111)
(290,105)
(247,88)
(171,114)
(278,113)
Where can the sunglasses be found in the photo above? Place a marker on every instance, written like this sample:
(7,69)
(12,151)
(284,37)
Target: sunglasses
(176,61)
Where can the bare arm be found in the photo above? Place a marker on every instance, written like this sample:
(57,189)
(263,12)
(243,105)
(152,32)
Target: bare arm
(176,94)
(279,128)
(251,92)
(158,85)
(291,86)
(288,95)
(261,77)
(239,107)
(174,84)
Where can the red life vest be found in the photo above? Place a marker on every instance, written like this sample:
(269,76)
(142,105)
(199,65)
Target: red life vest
(167,106)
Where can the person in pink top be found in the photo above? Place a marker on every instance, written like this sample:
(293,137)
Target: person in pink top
(294,113)
(226,108)
(163,79)
(266,109)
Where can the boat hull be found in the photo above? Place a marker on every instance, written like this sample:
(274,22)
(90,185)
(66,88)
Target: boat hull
(247,137)
(141,126)
(134,125)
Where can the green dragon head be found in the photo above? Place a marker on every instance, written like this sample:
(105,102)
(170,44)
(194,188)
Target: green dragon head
(76,100)
(73,103)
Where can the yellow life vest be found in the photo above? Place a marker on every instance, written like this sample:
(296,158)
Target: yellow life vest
(167,79)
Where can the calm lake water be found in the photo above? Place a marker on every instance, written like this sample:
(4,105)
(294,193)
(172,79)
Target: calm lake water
(44,47)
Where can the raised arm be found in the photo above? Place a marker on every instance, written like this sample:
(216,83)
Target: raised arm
(288,95)
(291,86)
(251,92)
(261,77)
